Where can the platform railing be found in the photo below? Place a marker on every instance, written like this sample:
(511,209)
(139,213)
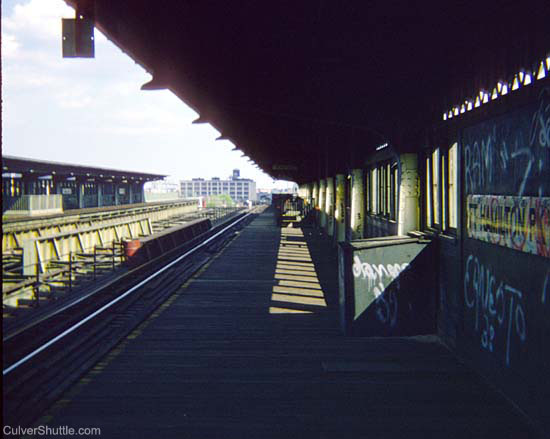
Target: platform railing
(70,270)
(32,204)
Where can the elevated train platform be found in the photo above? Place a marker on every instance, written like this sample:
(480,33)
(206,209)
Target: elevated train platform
(250,347)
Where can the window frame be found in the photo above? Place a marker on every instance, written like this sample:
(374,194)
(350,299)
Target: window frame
(436,197)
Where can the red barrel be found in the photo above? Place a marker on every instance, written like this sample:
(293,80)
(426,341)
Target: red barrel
(131,248)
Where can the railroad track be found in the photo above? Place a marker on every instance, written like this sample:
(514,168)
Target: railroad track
(41,360)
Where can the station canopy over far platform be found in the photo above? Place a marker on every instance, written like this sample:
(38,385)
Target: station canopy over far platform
(26,167)
(310,87)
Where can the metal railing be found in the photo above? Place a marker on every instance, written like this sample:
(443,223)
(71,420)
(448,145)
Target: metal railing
(30,203)
(70,270)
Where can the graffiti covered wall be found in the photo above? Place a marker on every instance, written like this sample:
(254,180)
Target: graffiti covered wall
(519,223)
(505,331)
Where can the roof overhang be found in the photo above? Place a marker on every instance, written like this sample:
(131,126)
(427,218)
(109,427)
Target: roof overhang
(306,87)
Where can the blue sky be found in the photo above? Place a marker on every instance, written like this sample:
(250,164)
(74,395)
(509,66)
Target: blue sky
(92,111)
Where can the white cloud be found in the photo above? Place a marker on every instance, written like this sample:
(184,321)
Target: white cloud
(9,45)
(41,18)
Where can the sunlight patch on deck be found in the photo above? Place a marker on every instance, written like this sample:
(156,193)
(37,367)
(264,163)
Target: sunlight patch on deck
(298,289)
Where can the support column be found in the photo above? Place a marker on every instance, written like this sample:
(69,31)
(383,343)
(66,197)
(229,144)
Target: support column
(142,192)
(308,194)
(322,202)
(99,194)
(117,197)
(408,219)
(315,195)
(329,206)
(80,193)
(340,209)
(357,203)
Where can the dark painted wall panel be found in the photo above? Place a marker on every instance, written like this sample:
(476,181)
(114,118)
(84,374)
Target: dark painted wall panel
(503,316)
(450,315)
(387,287)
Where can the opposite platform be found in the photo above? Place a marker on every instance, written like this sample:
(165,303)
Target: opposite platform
(250,348)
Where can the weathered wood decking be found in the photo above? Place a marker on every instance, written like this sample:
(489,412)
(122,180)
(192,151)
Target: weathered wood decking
(248,349)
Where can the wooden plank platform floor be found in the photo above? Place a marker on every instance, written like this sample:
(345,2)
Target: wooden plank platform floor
(228,357)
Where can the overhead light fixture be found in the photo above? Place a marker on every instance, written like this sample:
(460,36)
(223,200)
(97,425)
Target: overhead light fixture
(541,73)
(515,83)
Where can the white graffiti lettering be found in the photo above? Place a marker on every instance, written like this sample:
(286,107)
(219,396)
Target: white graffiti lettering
(540,125)
(378,277)
(498,308)
(510,153)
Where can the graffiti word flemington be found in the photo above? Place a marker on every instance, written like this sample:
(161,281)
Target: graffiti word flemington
(519,223)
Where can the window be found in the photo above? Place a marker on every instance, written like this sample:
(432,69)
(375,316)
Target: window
(435,185)
(428,192)
(381,190)
(374,187)
(368,197)
(452,185)
(441,183)
(394,190)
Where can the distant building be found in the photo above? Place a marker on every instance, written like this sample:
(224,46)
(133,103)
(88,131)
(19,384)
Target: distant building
(239,189)
(162,190)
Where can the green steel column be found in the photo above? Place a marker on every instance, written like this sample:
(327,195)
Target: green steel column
(408,215)
(99,194)
(322,201)
(329,206)
(308,194)
(142,192)
(130,193)
(80,192)
(357,203)
(340,209)
(315,195)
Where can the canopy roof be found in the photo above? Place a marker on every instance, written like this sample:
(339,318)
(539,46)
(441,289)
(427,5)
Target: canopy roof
(303,87)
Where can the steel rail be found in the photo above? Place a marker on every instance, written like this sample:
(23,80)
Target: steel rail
(116,300)
(67,306)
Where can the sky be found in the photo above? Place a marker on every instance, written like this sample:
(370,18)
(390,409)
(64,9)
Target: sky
(92,111)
